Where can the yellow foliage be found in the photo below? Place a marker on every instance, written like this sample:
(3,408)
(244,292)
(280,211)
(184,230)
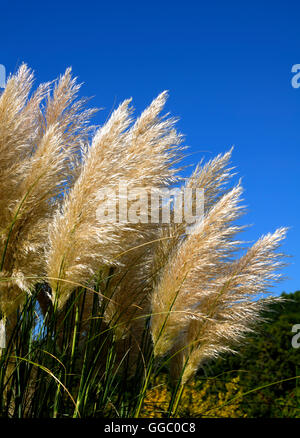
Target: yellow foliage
(196,400)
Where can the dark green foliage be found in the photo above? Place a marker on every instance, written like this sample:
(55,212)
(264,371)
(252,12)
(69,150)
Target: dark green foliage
(267,357)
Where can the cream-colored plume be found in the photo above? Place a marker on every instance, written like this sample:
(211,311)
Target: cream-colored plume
(141,156)
(38,149)
(205,301)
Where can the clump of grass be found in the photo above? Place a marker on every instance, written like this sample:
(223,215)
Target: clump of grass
(91,310)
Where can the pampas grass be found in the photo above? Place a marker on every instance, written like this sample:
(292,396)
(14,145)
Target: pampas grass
(118,297)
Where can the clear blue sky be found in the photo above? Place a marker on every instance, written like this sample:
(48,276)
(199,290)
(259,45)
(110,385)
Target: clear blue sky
(227,66)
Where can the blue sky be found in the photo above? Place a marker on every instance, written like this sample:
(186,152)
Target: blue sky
(227,66)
